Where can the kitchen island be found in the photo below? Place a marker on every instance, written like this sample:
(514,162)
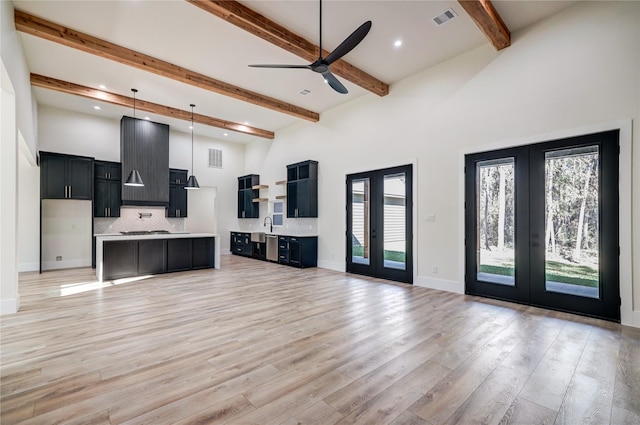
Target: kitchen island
(127,255)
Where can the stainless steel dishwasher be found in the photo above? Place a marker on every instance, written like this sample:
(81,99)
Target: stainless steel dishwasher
(272,247)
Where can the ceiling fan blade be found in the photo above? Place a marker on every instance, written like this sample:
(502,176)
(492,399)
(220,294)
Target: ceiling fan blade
(349,43)
(281,66)
(334,82)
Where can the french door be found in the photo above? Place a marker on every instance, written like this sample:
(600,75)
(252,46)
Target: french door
(379,223)
(541,225)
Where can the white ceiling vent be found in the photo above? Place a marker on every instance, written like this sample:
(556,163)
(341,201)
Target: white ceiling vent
(215,158)
(445,16)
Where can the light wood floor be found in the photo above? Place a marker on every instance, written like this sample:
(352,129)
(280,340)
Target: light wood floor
(259,343)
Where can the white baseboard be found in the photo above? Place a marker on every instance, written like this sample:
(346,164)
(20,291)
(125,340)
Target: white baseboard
(331,265)
(632,319)
(9,305)
(440,284)
(28,267)
(54,265)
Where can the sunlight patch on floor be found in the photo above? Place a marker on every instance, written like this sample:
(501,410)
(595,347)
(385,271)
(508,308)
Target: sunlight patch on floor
(77,288)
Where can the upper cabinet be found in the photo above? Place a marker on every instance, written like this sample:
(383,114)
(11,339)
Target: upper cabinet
(246,194)
(65,176)
(302,189)
(177,193)
(107,189)
(144,146)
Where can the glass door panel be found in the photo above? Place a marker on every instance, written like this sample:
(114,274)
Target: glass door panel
(541,224)
(360,221)
(394,219)
(379,223)
(571,222)
(496,221)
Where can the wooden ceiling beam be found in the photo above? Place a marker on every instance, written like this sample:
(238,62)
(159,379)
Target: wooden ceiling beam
(42,28)
(259,25)
(167,111)
(489,21)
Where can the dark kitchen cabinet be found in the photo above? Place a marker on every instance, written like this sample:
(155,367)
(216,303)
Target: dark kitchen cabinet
(302,189)
(177,193)
(151,256)
(202,250)
(65,176)
(120,259)
(283,249)
(259,250)
(107,189)
(144,146)
(298,251)
(246,194)
(241,244)
(178,254)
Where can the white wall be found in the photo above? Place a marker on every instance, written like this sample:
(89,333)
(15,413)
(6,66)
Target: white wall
(574,70)
(18,123)
(29,217)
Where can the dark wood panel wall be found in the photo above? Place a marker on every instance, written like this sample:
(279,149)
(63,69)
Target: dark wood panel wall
(148,153)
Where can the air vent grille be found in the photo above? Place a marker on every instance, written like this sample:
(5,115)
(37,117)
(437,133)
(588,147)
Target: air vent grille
(445,16)
(215,158)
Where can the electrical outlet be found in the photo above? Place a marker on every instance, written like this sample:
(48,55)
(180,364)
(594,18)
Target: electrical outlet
(434,269)
(431,217)
(59,258)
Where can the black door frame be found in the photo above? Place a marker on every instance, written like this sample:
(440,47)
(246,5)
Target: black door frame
(530,207)
(376,267)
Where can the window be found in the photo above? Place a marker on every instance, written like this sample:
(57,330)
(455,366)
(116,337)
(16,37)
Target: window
(278,213)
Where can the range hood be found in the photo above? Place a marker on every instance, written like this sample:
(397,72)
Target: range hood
(147,152)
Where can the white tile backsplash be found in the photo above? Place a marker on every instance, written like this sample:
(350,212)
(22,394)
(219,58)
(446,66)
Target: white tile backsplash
(130,220)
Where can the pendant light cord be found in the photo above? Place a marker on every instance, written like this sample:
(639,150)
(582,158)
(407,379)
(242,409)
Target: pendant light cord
(192,170)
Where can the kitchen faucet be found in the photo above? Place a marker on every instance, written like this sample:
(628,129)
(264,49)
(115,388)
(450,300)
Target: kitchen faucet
(270,222)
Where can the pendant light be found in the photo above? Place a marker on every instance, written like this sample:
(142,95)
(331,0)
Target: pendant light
(134,178)
(192,182)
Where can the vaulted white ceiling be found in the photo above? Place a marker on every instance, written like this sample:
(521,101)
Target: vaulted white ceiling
(185,35)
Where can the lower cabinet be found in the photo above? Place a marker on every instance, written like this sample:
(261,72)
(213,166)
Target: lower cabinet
(154,256)
(241,244)
(151,258)
(120,259)
(202,250)
(296,251)
(178,255)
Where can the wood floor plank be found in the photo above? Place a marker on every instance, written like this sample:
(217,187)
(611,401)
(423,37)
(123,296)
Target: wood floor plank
(261,343)
(523,411)
(587,401)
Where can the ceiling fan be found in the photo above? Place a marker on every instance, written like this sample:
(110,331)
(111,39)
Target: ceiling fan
(321,65)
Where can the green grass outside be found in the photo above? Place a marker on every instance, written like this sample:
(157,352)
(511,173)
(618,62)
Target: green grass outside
(358,251)
(556,272)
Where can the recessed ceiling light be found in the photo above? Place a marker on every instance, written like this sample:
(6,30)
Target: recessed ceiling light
(397,43)
(190,127)
(246,123)
(147,118)
(96,107)
(226,134)
(102,86)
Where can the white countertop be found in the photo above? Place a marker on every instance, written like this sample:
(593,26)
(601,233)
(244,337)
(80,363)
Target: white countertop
(295,235)
(121,237)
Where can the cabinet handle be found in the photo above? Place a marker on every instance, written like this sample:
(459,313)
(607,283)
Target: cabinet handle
(109,211)
(105,212)
(70,192)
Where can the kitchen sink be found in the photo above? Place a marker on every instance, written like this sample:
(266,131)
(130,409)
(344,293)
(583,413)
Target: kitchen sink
(259,237)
